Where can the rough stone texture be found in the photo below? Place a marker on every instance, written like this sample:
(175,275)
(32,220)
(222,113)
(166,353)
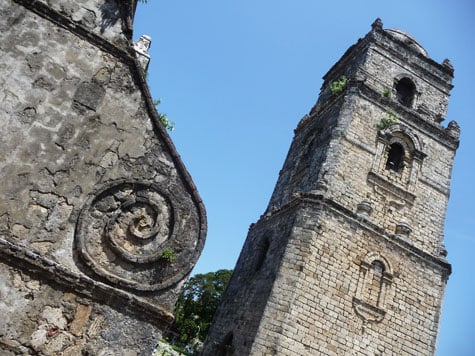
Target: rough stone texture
(100,223)
(42,317)
(348,258)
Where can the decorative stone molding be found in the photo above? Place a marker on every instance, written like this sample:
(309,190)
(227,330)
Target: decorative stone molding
(375,278)
(403,229)
(364,209)
(401,183)
(122,249)
(368,312)
(125,231)
(453,129)
(385,187)
(141,46)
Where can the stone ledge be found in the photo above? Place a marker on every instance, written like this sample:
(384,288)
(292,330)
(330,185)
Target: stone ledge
(433,184)
(391,188)
(434,130)
(127,55)
(415,62)
(328,203)
(362,146)
(52,271)
(368,312)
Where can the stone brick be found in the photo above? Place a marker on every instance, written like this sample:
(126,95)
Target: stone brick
(80,318)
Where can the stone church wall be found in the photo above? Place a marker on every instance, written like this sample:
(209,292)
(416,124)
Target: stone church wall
(100,222)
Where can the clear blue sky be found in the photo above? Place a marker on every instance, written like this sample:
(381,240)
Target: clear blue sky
(237,76)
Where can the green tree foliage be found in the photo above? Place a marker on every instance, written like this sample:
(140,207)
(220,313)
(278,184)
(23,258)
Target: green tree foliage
(196,306)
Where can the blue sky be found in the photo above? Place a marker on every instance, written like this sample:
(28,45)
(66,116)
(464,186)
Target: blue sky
(237,76)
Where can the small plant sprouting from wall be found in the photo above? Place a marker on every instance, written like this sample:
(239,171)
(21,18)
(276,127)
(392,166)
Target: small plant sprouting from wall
(387,121)
(337,86)
(169,124)
(386,93)
(168,255)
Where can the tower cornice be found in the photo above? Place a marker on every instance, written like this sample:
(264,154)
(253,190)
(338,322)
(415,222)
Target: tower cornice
(300,200)
(396,48)
(436,131)
(413,118)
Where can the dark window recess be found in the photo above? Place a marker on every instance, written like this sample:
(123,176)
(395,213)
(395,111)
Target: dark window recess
(228,339)
(375,283)
(378,268)
(226,348)
(395,160)
(406,91)
(262,253)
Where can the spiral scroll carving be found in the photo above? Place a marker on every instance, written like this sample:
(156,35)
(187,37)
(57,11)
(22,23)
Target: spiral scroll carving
(123,231)
(139,227)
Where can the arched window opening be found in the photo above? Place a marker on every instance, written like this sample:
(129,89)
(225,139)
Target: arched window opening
(375,282)
(228,339)
(395,160)
(262,253)
(226,347)
(373,285)
(406,91)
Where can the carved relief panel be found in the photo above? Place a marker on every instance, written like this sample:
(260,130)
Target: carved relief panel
(135,235)
(397,162)
(394,174)
(374,281)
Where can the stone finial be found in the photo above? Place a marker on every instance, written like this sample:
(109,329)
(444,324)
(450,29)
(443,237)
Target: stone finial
(446,63)
(403,229)
(442,251)
(439,118)
(321,187)
(364,208)
(453,129)
(141,47)
(377,24)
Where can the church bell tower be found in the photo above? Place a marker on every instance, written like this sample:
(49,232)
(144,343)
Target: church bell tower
(348,258)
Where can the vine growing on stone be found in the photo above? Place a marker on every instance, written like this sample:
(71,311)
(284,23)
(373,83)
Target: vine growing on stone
(387,121)
(169,124)
(168,255)
(337,86)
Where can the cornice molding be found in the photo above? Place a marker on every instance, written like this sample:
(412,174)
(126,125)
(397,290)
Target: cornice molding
(19,255)
(300,200)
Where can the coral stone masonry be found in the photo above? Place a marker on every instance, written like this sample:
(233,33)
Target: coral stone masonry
(100,223)
(348,258)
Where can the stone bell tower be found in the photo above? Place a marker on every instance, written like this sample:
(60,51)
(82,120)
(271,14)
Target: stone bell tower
(348,258)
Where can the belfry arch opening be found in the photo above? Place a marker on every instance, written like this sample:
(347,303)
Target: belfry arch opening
(395,161)
(406,92)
